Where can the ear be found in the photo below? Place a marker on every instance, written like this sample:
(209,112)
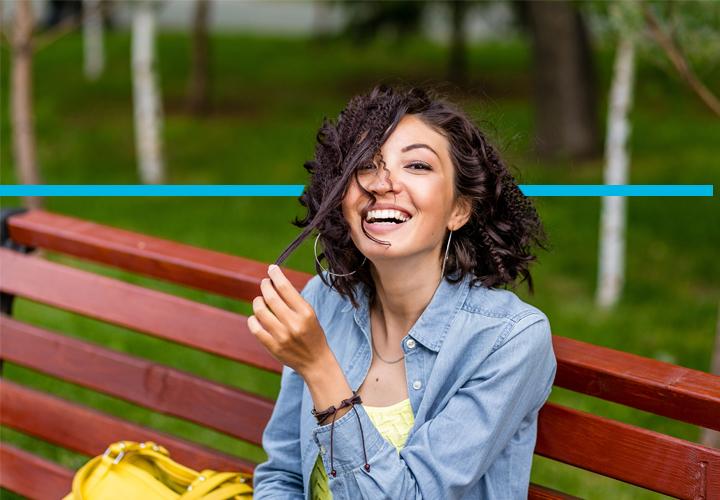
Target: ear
(461,213)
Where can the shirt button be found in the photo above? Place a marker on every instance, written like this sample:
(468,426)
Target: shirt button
(410,343)
(417,385)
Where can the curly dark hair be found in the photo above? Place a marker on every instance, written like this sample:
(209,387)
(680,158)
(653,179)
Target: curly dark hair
(494,245)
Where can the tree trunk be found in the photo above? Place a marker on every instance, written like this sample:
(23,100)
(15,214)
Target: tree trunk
(198,88)
(148,111)
(710,437)
(611,269)
(21,96)
(457,70)
(564,80)
(94,50)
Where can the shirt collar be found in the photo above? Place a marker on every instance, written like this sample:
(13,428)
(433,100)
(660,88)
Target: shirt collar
(433,324)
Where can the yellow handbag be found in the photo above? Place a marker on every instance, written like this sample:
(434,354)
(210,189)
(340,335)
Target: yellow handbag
(130,470)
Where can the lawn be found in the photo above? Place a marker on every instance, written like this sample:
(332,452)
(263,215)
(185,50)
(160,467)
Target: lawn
(270,95)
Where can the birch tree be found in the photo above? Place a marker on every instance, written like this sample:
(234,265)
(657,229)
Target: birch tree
(23,132)
(146,94)
(611,268)
(93,48)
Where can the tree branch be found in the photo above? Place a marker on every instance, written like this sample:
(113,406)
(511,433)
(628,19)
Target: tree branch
(673,52)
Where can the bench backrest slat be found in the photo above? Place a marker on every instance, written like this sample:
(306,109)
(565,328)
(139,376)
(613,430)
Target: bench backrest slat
(647,384)
(32,476)
(215,272)
(159,314)
(628,453)
(89,431)
(157,387)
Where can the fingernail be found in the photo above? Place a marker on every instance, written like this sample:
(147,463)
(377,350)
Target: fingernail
(271,267)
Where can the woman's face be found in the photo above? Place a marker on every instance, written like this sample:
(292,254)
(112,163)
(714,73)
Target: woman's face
(416,180)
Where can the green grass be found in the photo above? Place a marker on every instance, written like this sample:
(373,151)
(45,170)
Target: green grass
(269,97)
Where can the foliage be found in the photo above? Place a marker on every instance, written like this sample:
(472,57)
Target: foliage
(694,25)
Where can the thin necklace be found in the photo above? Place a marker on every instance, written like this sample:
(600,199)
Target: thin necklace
(372,343)
(381,358)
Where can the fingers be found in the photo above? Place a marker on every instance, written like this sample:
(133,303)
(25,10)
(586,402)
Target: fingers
(275,302)
(269,322)
(261,334)
(285,289)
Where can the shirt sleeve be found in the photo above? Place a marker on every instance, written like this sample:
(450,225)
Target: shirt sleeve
(448,454)
(280,477)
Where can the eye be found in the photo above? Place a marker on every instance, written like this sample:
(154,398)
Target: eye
(367,166)
(419,166)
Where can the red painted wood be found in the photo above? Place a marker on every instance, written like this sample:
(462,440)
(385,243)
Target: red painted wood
(638,456)
(159,314)
(32,476)
(537,492)
(154,386)
(662,388)
(89,431)
(197,267)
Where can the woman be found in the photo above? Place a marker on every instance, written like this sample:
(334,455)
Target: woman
(409,373)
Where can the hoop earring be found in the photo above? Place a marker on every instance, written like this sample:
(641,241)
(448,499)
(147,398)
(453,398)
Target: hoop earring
(321,266)
(447,248)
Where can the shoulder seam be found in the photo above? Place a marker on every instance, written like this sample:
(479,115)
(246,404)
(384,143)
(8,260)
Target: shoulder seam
(512,323)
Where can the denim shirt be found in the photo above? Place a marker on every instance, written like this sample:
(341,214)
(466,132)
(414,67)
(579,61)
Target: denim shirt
(479,365)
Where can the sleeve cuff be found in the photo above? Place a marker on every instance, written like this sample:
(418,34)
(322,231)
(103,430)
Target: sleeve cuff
(347,441)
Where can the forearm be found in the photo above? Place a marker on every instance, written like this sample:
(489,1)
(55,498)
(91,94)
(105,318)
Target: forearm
(327,384)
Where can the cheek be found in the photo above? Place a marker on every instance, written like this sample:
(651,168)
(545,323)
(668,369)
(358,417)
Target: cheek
(347,211)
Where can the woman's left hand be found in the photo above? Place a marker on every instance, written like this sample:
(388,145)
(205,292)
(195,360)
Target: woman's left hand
(286,324)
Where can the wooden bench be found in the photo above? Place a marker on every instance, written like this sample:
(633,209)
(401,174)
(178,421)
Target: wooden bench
(641,457)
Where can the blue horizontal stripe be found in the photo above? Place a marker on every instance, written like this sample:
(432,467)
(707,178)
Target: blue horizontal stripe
(297,189)
(618,190)
(151,190)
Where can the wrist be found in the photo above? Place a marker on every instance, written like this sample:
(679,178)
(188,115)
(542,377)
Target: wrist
(323,366)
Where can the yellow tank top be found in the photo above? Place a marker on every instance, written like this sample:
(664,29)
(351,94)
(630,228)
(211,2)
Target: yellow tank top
(393,422)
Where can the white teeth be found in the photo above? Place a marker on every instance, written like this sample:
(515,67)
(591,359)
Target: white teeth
(387,214)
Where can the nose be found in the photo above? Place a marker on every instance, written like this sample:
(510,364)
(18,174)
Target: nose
(380,181)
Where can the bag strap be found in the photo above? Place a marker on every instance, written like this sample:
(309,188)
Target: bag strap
(208,481)
(82,475)
(230,491)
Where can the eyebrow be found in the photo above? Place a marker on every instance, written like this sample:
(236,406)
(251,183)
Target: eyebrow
(416,146)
